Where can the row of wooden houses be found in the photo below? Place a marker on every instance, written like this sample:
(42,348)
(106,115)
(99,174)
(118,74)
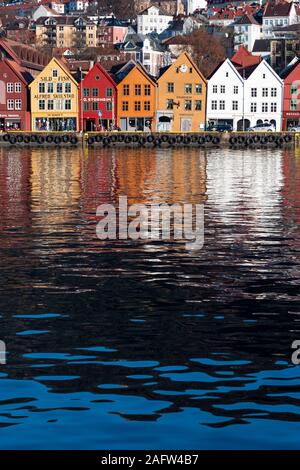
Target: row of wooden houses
(241,92)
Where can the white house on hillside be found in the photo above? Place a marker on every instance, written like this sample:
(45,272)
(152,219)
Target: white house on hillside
(153,19)
(278,15)
(263,96)
(193,5)
(225,96)
(246,31)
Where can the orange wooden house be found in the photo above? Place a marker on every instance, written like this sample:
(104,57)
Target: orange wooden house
(136,98)
(181,100)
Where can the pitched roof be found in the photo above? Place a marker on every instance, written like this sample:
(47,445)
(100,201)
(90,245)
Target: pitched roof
(246,19)
(244,58)
(278,9)
(261,45)
(190,60)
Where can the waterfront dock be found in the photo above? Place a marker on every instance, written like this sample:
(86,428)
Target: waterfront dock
(155,139)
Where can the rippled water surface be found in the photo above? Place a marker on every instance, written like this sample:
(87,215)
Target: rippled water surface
(143,344)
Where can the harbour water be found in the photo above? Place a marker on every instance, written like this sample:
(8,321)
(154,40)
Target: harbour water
(144,344)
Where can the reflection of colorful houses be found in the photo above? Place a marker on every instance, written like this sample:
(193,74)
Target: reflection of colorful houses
(97,100)
(14,194)
(181,97)
(291,95)
(54,99)
(136,98)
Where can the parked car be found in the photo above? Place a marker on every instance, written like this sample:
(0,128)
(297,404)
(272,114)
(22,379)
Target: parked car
(294,129)
(264,127)
(220,127)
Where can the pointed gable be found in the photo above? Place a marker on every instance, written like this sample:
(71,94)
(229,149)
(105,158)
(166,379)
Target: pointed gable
(184,57)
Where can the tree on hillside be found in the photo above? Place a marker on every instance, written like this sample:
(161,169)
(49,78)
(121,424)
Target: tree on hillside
(121,8)
(206,50)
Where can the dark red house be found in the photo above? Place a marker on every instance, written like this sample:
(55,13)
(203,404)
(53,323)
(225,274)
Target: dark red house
(291,95)
(97,100)
(14,96)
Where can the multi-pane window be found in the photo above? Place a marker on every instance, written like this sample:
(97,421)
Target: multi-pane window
(253,107)
(188,89)
(86,92)
(222,89)
(188,105)
(18,104)
(273,107)
(222,105)
(264,107)
(273,92)
(54,73)
(95,92)
(293,105)
(214,105)
(10,104)
(294,89)
(109,106)
(41,105)
(170,104)
(147,90)
(50,105)
(265,92)
(137,90)
(50,87)
(235,90)
(215,89)
(147,106)
(68,87)
(68,105)
(126,90)
(41,87)
(108,92)
(137,105)
(124,105)
(170,87)
(95,106)
(198,88)
(254,92)
(235,106)
(59,87)
(18,87)
(198,105)
(59,105)
(86,106)
(10,87)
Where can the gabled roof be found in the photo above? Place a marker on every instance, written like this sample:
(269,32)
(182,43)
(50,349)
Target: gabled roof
(22,74)
(247,19)
(230,64)
(59,64)
(127,68)
(160,11)
(278,9)
(246,72)
(102,71)
(186,56)
(261,45)
(244,58)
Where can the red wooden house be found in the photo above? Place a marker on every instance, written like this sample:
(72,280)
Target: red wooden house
(291,95)
(97,100)
(14,96)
